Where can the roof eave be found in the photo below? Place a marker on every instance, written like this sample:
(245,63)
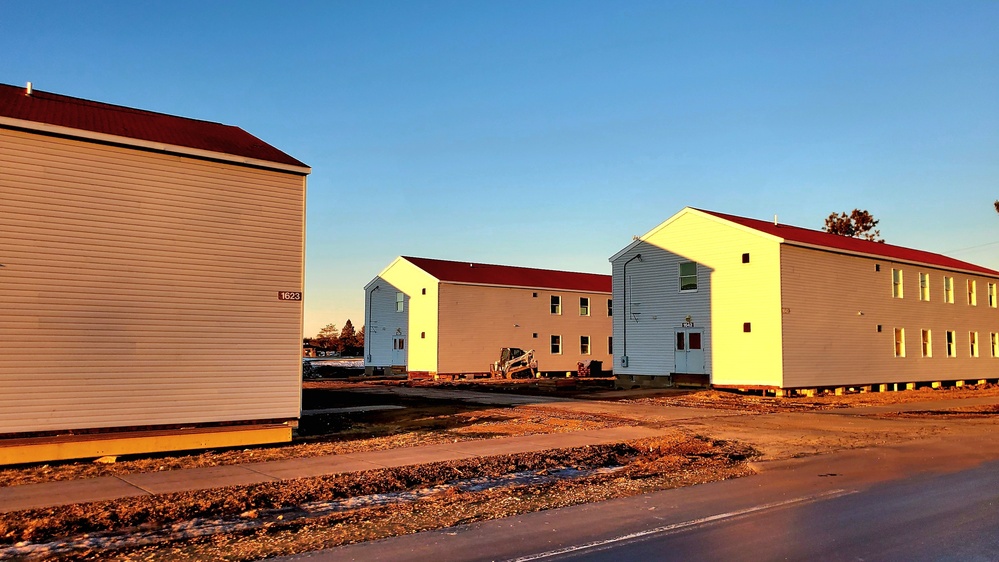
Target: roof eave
(150,145)
(528,287)
(888,258)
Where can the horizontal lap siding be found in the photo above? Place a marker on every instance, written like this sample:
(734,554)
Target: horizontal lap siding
(476,322)
(729,294)
(141,288)
(650,302)
(420,318)
(834,302)
(382,323)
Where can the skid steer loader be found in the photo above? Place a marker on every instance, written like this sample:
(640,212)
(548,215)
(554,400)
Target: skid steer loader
(514,362)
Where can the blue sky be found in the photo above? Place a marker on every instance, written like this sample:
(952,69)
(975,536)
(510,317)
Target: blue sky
(547,134)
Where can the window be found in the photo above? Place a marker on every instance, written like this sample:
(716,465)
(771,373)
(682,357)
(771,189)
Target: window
(747,327)
(924,286)
(995,344)
(556,345)
(896,283)
(927,344)
(400,300)
(949,290)
(610,344)
(556,304)
(694,339)
(688,276)
(535,335)
(899,342)
(424,292)
(972,297)
(584,345)
(973,343)
(992,295)
(877,267)
(610,307)
(584,306)
(951,344)
(680,341)
(745,258)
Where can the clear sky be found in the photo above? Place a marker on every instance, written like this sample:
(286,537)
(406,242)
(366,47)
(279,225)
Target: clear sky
(547,134)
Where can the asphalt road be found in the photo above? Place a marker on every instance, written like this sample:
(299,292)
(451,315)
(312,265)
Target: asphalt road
(952,517)
(930,500)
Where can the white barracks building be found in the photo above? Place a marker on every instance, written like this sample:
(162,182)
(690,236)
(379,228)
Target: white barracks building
(709,298)
(150,281)
(437,317)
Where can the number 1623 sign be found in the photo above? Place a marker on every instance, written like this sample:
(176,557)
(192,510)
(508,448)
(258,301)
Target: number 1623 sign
(289,295)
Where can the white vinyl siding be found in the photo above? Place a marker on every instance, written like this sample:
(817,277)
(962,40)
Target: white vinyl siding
(476,321)
(141,289)
(812,282)
(381,322)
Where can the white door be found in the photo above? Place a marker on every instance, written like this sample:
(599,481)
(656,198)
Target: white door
(399,350)
(688,350)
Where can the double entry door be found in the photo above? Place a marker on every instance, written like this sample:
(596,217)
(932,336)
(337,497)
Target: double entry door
(398,350)
(688,350)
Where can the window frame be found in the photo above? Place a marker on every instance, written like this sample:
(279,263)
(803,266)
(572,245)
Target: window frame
(927,343)
(899,342)
(556,344)
(924,286)
(681,276)
(951,343)
(896,283)
(948,289)
(556,305)
(610,345)
(610,307)
(400,301)
(993,297)
(584,345)
(584,309)
(994,342)
(973,344)
(972,292)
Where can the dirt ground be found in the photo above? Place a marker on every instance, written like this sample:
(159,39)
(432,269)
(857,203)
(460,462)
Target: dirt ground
(250,522)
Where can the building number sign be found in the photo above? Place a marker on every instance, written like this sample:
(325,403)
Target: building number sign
(289,295)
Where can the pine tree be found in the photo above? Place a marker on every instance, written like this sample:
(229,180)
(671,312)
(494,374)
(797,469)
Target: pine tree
(347,344)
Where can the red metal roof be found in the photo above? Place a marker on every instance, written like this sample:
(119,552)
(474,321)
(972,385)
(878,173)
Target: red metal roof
(97,117)
(835,242)
(509,276)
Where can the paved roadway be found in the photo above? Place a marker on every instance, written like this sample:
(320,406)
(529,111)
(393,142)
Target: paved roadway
(931,500)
